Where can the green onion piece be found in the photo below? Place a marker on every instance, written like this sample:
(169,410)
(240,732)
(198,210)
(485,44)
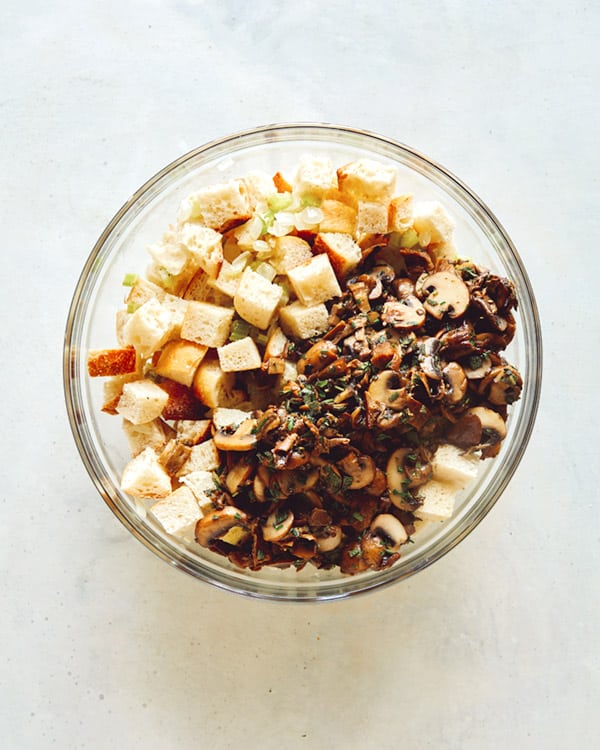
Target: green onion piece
(267,220)
(129,279)
(261,338)
(279,201)
(239,330)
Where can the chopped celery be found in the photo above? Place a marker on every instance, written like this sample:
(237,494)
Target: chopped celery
(279,201)
(129,279)
(239,330)
(261,338)
(310,200)
(264,269)
(267,219)
(132,307)
(409,238)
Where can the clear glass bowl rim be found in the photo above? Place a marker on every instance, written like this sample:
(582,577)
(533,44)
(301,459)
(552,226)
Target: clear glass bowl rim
(351,585)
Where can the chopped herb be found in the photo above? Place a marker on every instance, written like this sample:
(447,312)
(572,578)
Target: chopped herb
(356,552)
(358,516)
(260,555)
(129,279)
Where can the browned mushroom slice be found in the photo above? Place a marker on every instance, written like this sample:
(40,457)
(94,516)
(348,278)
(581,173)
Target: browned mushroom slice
(352,559)
(389,530)
(239,474)
(277,525)
(444,293)
(406,313)
(429,359)
(477,366)
(329,538)
(487,309)
(388,388)
(502,385)
(466,433)
(458,342)
(360,468)
(317,357)
(493,427)
(405,471)
(455,383)
(242,439)
(288,482)
(379,484)
(219,523)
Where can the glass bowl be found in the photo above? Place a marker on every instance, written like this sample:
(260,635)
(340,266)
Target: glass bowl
(122,249)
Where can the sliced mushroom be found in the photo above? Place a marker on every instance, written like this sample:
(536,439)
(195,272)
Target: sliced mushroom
(445,292)
(329,539)
(379,484)
(401,478)
(477,366)
(387,388)
(243,439)
(288,482)
(493,427)
(215,525)
(239,474)
(259,487)
(503,385)
(360,468)
(406,313)
(317,357)
(390,530)
(404,288)
(455,383)
(277,525)
(428,358)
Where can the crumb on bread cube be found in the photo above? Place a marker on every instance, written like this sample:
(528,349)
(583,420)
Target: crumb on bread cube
(203,456)
(228,280)
(142,401)
(179,360)
(192,431)
(303,321)
(314,175)
(220,206)
(314,281)
(343,252)
(239,355)
(367,180)
(178,512)
(203,485)
(206,323)
(144,477)
(256,299)
(213,387)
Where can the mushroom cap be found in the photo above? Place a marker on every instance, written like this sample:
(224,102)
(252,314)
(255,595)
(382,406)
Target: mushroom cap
(406,313)
(360,468)
(277,525)
(215,525)
(242,439)
(331,540)
(388,528)
(387,388)
(455,383)
(492,425)
(445,293)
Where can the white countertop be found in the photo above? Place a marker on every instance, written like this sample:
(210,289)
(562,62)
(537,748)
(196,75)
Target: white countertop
(104,645)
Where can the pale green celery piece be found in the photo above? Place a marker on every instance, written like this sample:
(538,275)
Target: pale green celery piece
(261,338)
(132,307)
(409,238)
(267,219)
(129,279)
(279,201)
(264,269)
(308,199)
(239,330)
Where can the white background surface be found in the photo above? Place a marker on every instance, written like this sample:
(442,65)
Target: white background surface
(102,644)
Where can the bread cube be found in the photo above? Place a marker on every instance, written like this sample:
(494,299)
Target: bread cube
(438,501)
(314,175)
(192,431)
(220,206)
(203,457)
(372,218)
(179,360)
(149,327)
(337,217)
(451,465)
(204,245)
(113,389)
(170,254)
(142,401)
(239,355)
(256,299)
(259,185)
(154,434)
(178,512)
(206,323)
(108,362)
(203,485)
(201,289)
(213,386)
(228,280)
(400,213)
(144,477)
(289,252)
(432,222)
(314,281)
(143,290)
(224,418)
(341,249)
(367,180)
(303,321)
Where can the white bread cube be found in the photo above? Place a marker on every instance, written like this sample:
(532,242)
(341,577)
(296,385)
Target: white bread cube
(289,252)
(154,434)
(256,299)
(144,477)
(142,401)
(201,289)
(113,389)
(224,418)
(451,465)
(438,501)
(213,386)
(400,213)
(372,218)
(170,254)
(178,512)
(206,323)
(179,360)
(171,283)
(144,290)
(337,217)
(341,249)
(203,457)
(204,245)
(239,356)
(303,322)
(367,180)
(192,431)
(260,186)
(314,281)
(228,280)
(220,206)
(149,327)
(203,485)
(432,222)
(314,175)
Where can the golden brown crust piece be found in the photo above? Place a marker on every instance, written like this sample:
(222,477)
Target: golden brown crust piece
(107,362)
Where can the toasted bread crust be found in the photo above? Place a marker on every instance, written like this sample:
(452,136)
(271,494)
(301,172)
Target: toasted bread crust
(103,363)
